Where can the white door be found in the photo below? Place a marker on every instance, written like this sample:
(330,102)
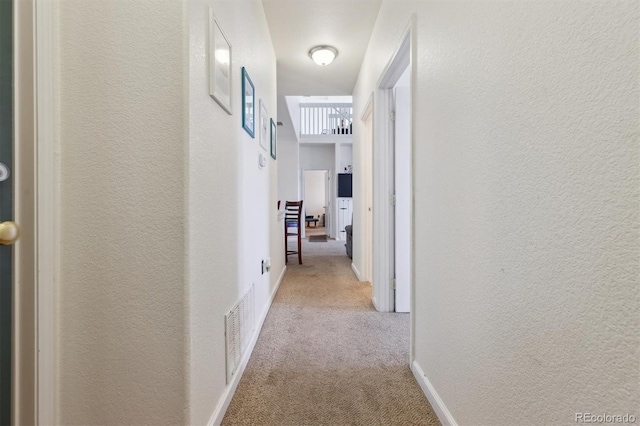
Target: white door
(368,199)
(402,178)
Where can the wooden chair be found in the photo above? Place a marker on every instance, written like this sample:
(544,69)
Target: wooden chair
(292,219)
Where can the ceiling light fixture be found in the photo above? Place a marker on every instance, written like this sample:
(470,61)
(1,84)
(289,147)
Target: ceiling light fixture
(323,55)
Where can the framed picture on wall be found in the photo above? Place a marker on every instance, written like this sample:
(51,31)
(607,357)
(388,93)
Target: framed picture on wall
(264,127)
(219,64)
(273,139)
(248,104)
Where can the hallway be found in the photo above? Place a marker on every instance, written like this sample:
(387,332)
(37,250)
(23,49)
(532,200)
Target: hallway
(325,356)
(152,141)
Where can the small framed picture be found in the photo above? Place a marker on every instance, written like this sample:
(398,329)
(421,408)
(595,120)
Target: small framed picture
(219,64)
(273,139)
(248,104)
(264,127)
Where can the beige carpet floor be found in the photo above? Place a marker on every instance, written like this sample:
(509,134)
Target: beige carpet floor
(326,357)
(310,230)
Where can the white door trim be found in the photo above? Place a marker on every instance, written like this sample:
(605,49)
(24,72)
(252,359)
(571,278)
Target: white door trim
(368,109)
(24,347)
(36,213)
(383,151)
(383,159)
(46,212)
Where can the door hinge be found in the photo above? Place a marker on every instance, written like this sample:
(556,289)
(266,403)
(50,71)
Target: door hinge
(392,116)
(392,199)
(393,283)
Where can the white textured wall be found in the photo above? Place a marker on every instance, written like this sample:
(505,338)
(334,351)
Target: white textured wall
(288,169)
(317,157)
(159,194)
(288,150)
(293,105)
(232,203)
(526,204)
(122,290)
(346,157)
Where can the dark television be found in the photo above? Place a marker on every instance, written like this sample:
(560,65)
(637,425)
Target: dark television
(344,185)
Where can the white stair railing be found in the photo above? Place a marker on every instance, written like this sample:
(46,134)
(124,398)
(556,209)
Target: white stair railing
(326,119)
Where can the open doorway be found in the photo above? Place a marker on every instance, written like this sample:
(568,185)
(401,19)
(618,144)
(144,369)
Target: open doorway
(392,184)
(316,206)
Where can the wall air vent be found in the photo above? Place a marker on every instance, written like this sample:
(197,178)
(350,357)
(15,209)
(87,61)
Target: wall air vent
(239,327)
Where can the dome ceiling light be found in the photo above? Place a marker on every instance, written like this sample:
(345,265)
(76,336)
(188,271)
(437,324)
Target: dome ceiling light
(323,55)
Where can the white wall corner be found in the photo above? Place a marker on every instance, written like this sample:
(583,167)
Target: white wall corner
(293,107)
(355,271)
(436,402)
(227,396)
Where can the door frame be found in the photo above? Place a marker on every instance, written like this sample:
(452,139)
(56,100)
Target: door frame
(327,195)
(402,205)
(383,176)
(366,187)
(35,210)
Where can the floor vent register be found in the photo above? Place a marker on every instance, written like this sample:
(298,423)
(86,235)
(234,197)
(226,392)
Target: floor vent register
(239,327)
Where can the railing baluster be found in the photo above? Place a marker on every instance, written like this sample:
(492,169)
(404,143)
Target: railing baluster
(324,119)
(318,119)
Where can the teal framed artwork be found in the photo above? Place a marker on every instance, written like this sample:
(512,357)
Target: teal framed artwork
(273,139)
(248,104)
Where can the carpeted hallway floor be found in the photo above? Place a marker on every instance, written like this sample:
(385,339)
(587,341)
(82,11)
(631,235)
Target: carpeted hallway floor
(326,357)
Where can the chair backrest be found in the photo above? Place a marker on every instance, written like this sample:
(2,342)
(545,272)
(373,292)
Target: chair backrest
(292,212)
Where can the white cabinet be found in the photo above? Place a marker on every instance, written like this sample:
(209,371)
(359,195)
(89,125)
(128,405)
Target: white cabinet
(345,215)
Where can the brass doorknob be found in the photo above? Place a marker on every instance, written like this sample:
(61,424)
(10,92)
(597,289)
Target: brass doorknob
(9,233)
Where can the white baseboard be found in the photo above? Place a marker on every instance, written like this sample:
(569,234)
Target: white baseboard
(375,303)
(440,409)
(355,271)
(227,396)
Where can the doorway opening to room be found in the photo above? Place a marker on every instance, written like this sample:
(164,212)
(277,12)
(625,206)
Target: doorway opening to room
(316,137)
(393,184)
(316,195)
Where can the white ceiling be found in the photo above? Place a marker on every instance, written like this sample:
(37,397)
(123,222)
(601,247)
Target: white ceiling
(298,25)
